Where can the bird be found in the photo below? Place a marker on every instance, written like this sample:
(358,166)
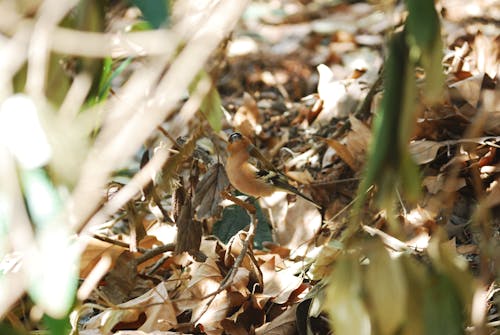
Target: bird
(249,179)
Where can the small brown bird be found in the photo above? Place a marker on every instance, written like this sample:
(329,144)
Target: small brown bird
(248,178)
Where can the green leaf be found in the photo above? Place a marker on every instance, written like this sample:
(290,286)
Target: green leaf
(344,303)
(61,326)
(6,329)
(390,127)
(385,278)
(234,218)
(442,308)
(423,34)
(108,75)
(211,106)
(422,22)
(41,197)
(156,12)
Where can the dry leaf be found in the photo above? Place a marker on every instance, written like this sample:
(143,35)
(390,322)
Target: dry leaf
(435,184)
(424,151)
(358,140)
(189,231)
(284,324)
(294,224)
(343,153)
(470,88)
(155,304)
(208,192)
(94,251)
(279,285)
(122,279)
(247,119)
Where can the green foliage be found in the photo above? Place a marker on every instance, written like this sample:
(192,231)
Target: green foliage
(390,166)
(344,303)
(211,106)
(109,73)
(235,218)
(60,326)
(156,12)
(442,308)
(423,34)
(88,15)
(371,291)
(6,329)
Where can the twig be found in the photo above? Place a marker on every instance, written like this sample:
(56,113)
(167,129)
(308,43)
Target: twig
(116,242)
(248,207)
(148,254)
(234,269)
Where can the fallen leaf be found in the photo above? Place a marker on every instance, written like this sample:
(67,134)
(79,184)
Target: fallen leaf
(424,151)
(279,284)
(155,304)
(342,152)
(208,192)
(247,119)
(282,325)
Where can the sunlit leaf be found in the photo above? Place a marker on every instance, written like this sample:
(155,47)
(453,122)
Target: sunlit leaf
(344,305)
(211,106)
(385,278)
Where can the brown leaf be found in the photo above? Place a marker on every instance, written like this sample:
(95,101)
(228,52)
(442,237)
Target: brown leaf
(435,184)
(279,285)
(424,151)
(173,163)
(189,231)
(290,230)
(358,140)
(282,325)
(208,192)
(470,88)
(343,152)
(94,251)
(122,279)
(233,251)
(154,304)
(247,118)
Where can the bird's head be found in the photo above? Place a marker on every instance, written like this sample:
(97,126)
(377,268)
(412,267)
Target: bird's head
(235,137)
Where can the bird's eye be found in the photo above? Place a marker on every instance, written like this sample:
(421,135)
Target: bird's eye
(234,137)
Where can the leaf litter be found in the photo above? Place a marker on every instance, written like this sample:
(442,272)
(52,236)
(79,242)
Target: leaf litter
(334,56)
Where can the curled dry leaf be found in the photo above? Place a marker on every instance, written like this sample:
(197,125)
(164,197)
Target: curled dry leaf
(283,324)
(334,94)
(208,192)
(279,284)
(233,251)
(155,304)
(247,119)
(358,139)
(122,279)
(435,184)
(295,224)
(189,231)
(94,251)
(424,151)
(342,152)
(469,89)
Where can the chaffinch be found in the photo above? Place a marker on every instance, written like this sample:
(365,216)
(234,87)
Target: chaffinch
(250,179)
